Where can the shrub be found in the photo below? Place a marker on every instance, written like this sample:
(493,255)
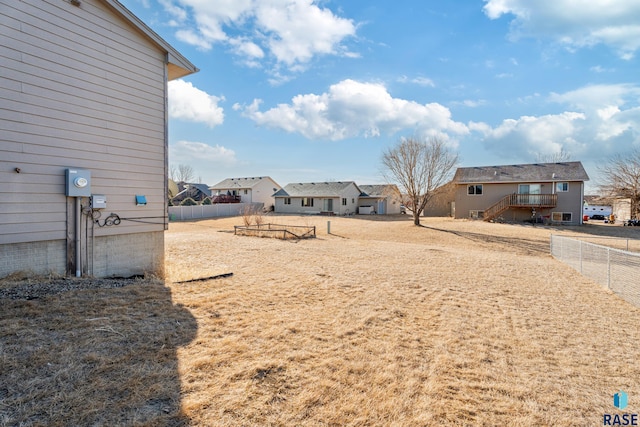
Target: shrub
(257,217)
(206,201)
(247,215)
(188,202)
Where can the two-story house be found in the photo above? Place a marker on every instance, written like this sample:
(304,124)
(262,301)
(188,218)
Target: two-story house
(540,192)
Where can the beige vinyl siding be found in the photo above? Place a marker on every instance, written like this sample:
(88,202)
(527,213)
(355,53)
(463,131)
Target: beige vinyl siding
(350,193)
(263,192)
(568,201)
(83,89)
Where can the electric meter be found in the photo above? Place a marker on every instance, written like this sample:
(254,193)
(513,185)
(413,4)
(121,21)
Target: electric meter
(78,182)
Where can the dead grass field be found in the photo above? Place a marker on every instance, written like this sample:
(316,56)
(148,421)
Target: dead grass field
(378,324)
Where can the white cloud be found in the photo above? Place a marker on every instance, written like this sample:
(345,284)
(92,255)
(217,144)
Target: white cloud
(247,48)
(189,152)
(600,69)
(605,106)
(593,97)
(574,23)
(178,13)
(529,135)
(190,37)
(471,103)
(292,32)
(187,102)
(351,109)
(605,119)
(420,81)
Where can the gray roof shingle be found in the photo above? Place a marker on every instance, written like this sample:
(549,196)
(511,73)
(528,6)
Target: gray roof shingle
(315,189)
(378,190)
(237,183)
(535,172)
(203,188)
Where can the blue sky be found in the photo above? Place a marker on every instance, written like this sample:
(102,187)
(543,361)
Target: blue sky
(304,90)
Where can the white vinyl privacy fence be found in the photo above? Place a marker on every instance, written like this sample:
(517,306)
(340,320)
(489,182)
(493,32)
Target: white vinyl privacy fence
(617,269)
(181,213)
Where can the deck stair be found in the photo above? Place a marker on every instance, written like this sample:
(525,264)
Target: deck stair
(515,200)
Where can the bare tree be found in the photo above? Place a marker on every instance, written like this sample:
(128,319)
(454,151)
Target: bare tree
(181,173)
(418,167)
(621,178)
(557,157)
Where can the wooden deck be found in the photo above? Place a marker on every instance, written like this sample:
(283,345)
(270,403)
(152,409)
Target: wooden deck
(516,200)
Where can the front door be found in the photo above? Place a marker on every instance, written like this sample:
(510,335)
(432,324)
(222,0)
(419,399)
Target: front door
(327,205)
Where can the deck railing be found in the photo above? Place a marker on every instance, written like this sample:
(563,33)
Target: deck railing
(533,200)
(516,200)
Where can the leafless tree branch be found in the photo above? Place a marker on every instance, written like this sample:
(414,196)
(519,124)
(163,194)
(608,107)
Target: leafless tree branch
(419,167)
(557,157)
(181,173)
(621,175)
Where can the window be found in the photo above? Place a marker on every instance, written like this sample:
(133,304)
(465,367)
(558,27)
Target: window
(561,216)
(476,214)
(562,187)
(529,188)
(287,200)
(353,201)
(307,201)
(246,191)
(344,201)
(474,190)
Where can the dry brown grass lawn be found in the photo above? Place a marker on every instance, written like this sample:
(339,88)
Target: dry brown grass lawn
(378,324)
(384,323)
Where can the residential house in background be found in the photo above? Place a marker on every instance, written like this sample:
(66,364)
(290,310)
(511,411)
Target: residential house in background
(621,208)
(380,199)
(549,192)
(84,139)
(196,192)
(333,198)
(442,202)
(250,190)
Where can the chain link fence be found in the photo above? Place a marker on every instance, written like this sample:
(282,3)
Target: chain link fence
(617,269)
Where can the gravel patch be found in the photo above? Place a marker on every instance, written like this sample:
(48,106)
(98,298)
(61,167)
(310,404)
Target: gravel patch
(35,289)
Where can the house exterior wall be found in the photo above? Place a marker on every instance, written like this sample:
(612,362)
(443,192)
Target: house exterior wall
(442,203)
(246,195)
(571,201)
(140,258)
(568,202)
(622,209)
(390,205)
(42,258)
(263,192)
(295,207)
(351,193)
(81,88)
